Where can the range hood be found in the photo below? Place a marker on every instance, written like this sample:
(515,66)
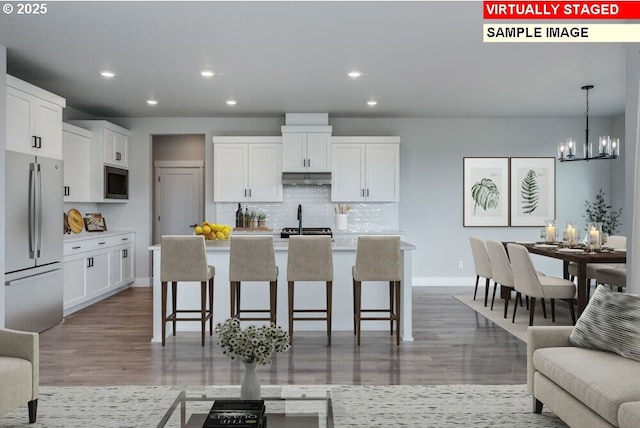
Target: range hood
(306,178)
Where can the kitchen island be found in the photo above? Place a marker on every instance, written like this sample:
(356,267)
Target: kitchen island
(308,295)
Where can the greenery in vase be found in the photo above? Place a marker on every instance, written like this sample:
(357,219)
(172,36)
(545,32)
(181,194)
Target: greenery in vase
(262,216)
(599,211)
(253,344)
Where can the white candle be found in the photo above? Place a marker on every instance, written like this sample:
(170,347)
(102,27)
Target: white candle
(551,234)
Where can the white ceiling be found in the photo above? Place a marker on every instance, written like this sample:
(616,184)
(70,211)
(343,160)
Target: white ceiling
(418,59)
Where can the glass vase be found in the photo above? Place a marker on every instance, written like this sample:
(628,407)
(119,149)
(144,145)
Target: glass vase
(594,236)
(550,231)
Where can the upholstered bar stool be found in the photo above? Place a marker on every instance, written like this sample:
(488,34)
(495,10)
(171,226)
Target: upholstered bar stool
(378,259)
(184,258)
(252,258)
(310,259)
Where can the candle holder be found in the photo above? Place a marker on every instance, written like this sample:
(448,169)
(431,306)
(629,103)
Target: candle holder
(550,231)
(594,236)
(571,234)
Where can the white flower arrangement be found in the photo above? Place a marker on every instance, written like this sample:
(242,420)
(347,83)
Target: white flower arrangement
(252,344)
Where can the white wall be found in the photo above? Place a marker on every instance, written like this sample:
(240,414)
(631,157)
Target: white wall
(3,143)
(431,177)
(631,171)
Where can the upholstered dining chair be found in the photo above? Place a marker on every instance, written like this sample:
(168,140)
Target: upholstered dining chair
(378,258)
(252,258)
(613,277)
(184,258)
(482,265)
(19,371)
(310,259)
(613,241)
(500,270)
(526,281)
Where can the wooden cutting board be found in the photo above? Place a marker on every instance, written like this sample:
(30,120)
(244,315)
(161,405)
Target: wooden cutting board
(76,223)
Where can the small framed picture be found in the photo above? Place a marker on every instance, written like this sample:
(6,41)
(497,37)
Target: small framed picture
(486,192)
(95,224)
(533,191)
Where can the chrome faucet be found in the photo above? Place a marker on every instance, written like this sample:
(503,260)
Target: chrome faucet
(299,219)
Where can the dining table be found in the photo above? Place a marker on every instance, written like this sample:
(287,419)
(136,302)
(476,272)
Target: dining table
(581,257)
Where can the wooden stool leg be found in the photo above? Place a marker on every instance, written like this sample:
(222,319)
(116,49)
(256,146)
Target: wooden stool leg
(290,286)
(355,328)
(553,310)
(174,301)
(532,308)
(329,310)
(238,295)
(164,311)
(203,309)
(211,306)
(358,309)
(391,291)
(397,314)
(515,305)
(274,301)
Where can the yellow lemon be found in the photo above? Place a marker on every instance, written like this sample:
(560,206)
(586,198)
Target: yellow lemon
(198,230)
(216,227)
(219,235)
(206,229)
(212,236)
(226,233)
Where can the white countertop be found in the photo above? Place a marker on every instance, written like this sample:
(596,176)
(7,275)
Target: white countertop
(92,235)
(282,244)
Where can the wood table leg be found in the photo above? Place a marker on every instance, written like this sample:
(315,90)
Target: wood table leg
(583,283)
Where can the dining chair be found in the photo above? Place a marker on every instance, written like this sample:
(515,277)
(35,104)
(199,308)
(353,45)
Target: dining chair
(252,258)
(500,270)
(613,277)
(310,259)
(613,241)
(184,258)
(482,265)
(526,281)
(378,258)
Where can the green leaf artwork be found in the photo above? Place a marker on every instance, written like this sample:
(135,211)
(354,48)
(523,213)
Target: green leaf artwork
(530,192)
(485,193)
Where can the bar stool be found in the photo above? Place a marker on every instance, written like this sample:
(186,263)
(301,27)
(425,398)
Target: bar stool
(252,258)
(310,259)
(378,259)
(184,258)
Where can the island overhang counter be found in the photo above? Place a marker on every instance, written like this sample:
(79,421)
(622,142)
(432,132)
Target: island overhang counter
(308,294)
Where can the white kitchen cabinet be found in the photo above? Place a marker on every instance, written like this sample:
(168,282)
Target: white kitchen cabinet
(96,267)
(34,120)
(365,169)
(116,148)
(76,153)
(247,169)
(306,151)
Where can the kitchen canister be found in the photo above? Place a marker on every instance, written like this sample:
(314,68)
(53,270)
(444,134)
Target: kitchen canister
(341,221)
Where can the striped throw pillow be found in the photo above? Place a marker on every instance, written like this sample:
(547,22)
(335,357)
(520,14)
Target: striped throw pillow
(610,322)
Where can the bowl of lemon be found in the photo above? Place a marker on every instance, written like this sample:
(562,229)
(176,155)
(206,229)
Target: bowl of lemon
(212,231)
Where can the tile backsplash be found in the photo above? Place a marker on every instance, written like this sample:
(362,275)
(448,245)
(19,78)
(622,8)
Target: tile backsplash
(317,211)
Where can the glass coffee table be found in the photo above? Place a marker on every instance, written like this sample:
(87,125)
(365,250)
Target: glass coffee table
(286,407)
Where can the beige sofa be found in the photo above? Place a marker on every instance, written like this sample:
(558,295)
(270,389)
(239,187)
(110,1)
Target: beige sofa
(19,371)
(585,388)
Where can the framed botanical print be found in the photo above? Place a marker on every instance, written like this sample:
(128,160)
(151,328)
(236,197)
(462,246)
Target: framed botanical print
(533,191)
(486,191)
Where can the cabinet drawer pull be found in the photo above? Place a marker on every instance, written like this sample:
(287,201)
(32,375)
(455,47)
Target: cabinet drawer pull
(101,243)
(126,239)
(34,143)
(76,248)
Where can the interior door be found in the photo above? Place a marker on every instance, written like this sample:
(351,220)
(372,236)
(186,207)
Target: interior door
(179,200)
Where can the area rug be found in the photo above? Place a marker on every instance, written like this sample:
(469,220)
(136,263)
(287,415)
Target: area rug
(519,327)
(441,406)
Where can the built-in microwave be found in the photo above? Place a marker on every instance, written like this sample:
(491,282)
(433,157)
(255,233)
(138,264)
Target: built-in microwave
(116,183)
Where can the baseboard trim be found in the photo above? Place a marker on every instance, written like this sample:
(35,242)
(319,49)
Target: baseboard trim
(142,282)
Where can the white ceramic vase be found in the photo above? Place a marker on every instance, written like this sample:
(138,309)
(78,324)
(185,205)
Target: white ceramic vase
(341,221)
(250,389)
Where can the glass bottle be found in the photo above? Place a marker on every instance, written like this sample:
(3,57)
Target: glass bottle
(239,216)
(246,220)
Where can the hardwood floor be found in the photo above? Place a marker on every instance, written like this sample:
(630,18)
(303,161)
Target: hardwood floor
(109,344)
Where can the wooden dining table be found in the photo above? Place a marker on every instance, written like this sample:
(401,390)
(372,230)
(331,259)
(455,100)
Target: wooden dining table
(581,259)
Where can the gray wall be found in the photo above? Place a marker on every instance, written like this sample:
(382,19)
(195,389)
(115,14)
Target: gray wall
(431,178)
(178,147)
(631,161)
(3,144)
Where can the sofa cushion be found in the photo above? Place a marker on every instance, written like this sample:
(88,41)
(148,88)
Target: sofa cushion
(610,322)
(629,415)
(600,380)
(17,373)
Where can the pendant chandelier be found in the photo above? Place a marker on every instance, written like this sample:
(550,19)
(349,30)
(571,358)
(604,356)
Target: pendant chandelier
(608,148)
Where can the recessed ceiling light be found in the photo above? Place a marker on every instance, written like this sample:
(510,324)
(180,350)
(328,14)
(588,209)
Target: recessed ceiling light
(354,74)
(152,102)
(207,73)
(107,74)
(372,103)
(232,102)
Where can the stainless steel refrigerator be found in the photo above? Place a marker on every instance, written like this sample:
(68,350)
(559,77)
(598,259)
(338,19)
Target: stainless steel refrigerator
(33,242)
